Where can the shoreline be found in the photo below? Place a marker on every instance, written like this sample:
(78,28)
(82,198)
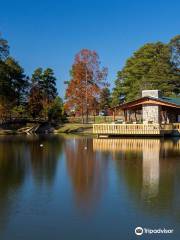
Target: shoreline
(67,128)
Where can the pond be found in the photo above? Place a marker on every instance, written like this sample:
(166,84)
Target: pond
(54,187)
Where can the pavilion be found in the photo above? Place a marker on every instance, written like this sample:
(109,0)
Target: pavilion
(152,107)
(150,115)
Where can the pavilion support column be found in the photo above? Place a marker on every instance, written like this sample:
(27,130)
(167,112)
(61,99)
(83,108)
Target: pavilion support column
(135,115)
(129,115)
(125,115)
(114,115)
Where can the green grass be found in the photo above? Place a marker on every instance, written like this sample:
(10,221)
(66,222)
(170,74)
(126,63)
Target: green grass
(75,128)
(91,119)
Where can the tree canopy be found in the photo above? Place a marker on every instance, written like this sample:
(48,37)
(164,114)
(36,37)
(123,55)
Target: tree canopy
(43,92)
(153,66)
(87,78)
(23,96)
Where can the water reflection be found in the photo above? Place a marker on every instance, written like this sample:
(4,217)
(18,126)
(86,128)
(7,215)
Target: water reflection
(149,168)
(20,159)
(88,173)
(150,159)
(76,185)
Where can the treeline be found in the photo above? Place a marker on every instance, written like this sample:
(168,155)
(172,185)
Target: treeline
(22,96)
(153,66)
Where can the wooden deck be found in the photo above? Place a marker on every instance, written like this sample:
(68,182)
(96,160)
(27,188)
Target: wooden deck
(105,130)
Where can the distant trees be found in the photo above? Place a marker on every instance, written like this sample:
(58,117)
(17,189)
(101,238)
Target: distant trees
(105,99)
(175,58)
(56,110)
(43,100)
(153,66)
(13,81)
(175,51)
(23,96)
(87,79)
(4,48)
(118,93)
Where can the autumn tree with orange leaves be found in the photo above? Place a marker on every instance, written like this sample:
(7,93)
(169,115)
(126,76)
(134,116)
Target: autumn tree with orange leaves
(85,85)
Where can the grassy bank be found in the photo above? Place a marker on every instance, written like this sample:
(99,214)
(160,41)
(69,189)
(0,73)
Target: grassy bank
(85,129)
(67,128)
(7,132)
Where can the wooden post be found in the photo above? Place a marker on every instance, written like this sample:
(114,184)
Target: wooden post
(129,115)
(125,115)
(114,115)
(135,115)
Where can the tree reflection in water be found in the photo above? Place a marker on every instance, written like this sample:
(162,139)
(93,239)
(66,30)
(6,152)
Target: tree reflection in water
(21,157)
(44,159)
(88,173)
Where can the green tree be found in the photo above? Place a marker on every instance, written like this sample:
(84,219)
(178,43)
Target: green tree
(19,82)
(175,51)
(35,101)
(117,96)
(35,104)
(13,84)
(175,58)
(4,81)
(4,48)
(149,68)
(49,85)
(43,92)
(55,112)
(104,98)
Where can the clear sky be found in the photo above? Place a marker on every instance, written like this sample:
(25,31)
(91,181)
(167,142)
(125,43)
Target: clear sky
(49,33)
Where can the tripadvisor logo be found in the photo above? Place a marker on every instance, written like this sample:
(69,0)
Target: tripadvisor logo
(139,231)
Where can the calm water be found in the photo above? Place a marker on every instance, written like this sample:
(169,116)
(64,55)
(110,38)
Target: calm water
(88,189)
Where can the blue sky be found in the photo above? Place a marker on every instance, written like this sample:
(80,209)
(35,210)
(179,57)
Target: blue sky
(49,33)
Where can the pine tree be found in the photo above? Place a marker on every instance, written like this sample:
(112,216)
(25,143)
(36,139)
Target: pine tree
(104,99)
(49,85)
(35,101)
(149,68)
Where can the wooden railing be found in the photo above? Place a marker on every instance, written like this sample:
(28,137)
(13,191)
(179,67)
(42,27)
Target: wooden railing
(123,129)
(176,126)
(135,129)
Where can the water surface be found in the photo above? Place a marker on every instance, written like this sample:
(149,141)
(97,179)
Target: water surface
(88,189)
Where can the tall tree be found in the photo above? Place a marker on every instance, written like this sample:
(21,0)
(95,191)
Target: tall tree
(18,81)
(4,48)
(149,68)
(13,84)
(87,80)
(118,94)
(175,51)
(55,111)
(175,58)
(49,86)
(4,83)
(35,101)
(35,104)
(43,91)
(105,98)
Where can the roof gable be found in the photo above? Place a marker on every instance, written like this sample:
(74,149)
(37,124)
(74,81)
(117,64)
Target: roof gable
(170,102)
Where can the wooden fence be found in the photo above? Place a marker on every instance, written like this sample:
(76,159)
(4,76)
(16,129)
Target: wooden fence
(134,129)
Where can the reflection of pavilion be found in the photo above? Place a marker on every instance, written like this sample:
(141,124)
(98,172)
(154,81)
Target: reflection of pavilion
(149,149)
(151,153)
